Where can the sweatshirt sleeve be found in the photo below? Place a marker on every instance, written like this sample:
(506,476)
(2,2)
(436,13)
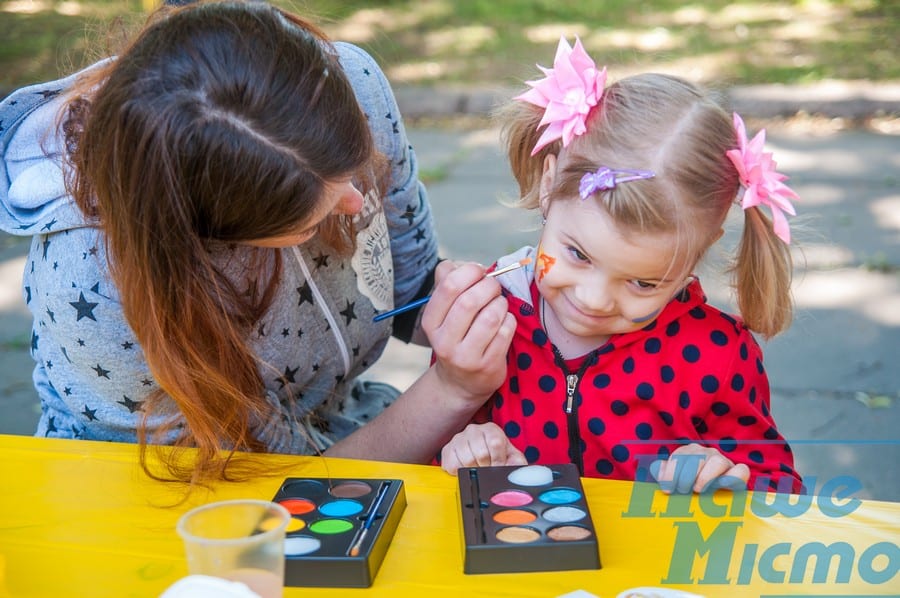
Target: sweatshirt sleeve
(413,237)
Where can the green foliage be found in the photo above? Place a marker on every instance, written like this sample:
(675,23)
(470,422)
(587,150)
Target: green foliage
(499,42)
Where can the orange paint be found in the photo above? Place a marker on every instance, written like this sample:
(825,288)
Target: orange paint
(546,263)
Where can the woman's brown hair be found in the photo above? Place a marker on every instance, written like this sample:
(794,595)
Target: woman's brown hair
(219,123)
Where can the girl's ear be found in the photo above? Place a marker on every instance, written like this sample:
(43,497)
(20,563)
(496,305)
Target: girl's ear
(547,177)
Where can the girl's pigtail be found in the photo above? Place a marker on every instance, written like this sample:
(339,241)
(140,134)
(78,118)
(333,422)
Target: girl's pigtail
(763,268)
(761,275)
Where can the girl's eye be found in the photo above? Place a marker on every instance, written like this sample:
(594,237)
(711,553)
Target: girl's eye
(578,255)
(644,285)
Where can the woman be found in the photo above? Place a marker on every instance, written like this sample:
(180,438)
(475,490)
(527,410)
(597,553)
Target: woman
(217,215)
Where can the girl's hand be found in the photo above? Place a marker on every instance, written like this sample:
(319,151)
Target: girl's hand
(469,329)
(480,445)
(699,469)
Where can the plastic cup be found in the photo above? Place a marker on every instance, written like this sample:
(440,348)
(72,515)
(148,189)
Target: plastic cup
(238,540)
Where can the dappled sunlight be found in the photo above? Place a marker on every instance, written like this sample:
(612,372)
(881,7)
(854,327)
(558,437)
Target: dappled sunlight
(886,211)
(26,7)
(872,294)
(464,40)
(549,33)
(658,38)
(418,71)
(365,25)
(11,290)
(816,256)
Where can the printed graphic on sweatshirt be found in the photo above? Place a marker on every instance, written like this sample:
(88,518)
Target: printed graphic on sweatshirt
(372,261)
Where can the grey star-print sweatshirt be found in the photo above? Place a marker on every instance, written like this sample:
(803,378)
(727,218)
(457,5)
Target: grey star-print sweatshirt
(317,337)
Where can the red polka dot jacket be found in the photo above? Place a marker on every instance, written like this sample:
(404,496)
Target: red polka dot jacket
(695,374)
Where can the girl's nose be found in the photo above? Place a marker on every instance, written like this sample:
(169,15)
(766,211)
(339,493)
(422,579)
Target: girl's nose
(596,295)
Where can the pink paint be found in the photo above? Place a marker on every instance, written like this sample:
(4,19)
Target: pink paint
(511,498)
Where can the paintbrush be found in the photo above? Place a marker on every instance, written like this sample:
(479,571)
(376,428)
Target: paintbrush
(356,545)
(424,300)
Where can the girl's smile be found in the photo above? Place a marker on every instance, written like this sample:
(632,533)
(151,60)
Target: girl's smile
(604,280)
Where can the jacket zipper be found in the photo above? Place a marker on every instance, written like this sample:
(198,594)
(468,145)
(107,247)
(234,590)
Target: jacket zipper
(320,301)
(571,406)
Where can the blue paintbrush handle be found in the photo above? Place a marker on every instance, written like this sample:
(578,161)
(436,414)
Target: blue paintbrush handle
(402,309)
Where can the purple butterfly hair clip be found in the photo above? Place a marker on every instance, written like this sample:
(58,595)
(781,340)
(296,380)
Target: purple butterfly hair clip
(607,178)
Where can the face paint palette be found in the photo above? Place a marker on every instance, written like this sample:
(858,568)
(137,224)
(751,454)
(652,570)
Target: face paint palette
(340,529)
(525,518)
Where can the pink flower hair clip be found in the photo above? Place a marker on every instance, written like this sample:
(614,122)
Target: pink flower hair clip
(760,183)
(567,93)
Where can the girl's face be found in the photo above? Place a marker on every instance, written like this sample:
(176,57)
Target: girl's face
(595,282)
(339,197)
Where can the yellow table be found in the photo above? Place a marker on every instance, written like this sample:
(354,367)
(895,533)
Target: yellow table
(80,518)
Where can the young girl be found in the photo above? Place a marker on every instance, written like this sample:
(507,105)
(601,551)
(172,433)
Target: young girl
(618,363)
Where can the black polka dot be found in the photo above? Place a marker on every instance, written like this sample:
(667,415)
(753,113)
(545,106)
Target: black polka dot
(728,319)
(765,410)
(523,361)
(652,345)
(539,337)
(526,309)
(770,434)
(728,444)
(666,417)
(628,365)
(644,431)
(759,366)
(607,348)
(699,425)
(547,383)
(498,400)
(601,381)
(691,353)
(512,429)
(747,420)
(532,454)
(672,328)
(663,452)
(514,384)
(737,383)
(604,467)
(752,395)
(551,430)
(667,373)
(718,338)
(619,407)
(596,426)
(755,456)
(644,391)
(697,313)
(684,399)
(720,408)
(743,352)
(620,453)
(527,407)
(709,383)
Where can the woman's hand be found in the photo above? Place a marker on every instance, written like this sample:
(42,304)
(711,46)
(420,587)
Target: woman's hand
(699,469)
(480,445)
(469,329)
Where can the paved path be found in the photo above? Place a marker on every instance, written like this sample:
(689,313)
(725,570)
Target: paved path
(835,374)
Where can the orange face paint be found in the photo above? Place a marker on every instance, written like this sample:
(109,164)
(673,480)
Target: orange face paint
(546,263)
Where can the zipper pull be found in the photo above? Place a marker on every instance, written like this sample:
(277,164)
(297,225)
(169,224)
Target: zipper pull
(571,383)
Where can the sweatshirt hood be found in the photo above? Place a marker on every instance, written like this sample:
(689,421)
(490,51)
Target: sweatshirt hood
(32,181)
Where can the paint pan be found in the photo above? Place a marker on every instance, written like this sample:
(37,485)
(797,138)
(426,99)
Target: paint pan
(340,529)
(518,519)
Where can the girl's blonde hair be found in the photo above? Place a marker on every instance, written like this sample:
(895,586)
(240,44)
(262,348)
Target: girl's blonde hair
(681,133)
